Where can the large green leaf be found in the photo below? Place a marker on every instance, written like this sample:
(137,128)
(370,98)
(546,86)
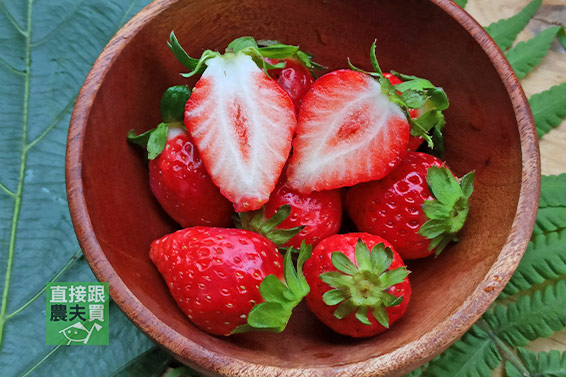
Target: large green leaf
(46,50)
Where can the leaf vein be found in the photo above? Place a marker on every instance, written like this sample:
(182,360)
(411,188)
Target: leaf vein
(11,18)
(18,201)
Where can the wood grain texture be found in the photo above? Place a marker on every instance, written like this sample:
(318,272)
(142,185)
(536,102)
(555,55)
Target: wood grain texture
(116,217)
(551,71)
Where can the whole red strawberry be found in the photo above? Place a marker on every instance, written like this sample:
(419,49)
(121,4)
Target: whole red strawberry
(320,212)
(295,79)
(355,291)
(183,187)
(419,207)
(219,278)
(177,176)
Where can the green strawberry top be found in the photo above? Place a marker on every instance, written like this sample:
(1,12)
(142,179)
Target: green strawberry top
(364,286)
(447,213)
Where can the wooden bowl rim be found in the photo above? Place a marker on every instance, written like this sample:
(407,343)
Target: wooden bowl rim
(401,359)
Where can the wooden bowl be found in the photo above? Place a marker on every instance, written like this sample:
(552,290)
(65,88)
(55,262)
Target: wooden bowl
(489,129)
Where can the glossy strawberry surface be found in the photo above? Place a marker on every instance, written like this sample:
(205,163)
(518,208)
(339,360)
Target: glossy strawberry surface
(392,207)
(348,132)
(214,273)
(295,79)
(242,123)
(320,212)
(183,187)
(321,262)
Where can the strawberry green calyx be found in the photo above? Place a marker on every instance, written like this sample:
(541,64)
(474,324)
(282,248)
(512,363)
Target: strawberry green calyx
(172,110)
(257,222)
(363,288)
(280,297)
(447,213)
(414,93)
(243,45)
(173,103)
(304,57)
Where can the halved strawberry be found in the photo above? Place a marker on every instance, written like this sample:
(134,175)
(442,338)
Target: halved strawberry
(243,124)
(348,132)
(241,120)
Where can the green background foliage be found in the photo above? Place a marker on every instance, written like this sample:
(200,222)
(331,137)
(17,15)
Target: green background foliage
(46,50)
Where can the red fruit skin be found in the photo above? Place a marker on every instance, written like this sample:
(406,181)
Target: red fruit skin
(414,141)
(392,207)
(214,273)
(184,189)
(320,212)
(321,262)
(295,79)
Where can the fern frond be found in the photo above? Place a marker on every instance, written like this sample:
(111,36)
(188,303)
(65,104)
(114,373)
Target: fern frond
(526,55)
(543,364)
(545,259)
(531,317)
(549,108)
(461,3)
(505,31)
(553,187)
(550,219)
(474,355)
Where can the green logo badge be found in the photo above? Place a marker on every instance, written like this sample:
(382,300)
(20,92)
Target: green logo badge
(77,313)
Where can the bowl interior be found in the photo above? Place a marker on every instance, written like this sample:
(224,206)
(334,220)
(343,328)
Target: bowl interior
(415,37)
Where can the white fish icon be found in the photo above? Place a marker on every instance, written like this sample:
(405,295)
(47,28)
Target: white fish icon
(77,332)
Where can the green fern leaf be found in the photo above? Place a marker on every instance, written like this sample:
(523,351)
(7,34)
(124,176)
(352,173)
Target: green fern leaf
(549,108)
(415,373)
(551,219)
(530,317)
(551,215)
(461,3)
(474,355)
(505,31)
(553,186)
(543,364)
(544,258)
(526,55)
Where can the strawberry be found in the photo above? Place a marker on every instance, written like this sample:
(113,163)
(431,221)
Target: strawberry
(241,120)
(295,79)
(354,291)
(230,280)
(177,176)
(419,207)
(348,132)
(182,186)
(319,212)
